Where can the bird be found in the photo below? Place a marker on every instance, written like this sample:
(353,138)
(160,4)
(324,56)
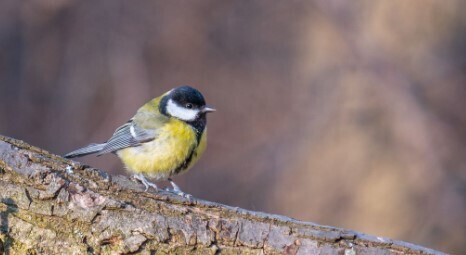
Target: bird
(165,138)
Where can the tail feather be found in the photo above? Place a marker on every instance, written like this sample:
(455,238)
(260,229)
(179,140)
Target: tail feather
(90,149)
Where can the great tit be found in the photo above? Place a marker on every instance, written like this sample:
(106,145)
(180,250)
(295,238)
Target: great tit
(165,137)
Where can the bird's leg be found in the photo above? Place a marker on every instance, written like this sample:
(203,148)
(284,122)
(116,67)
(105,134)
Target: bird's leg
(147,184)
(177,190)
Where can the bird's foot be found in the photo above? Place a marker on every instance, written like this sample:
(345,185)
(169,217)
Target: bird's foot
(147,184)
(176,190)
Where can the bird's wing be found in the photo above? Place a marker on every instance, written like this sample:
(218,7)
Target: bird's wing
(128,135)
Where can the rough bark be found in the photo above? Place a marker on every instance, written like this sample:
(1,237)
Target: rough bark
(51,205)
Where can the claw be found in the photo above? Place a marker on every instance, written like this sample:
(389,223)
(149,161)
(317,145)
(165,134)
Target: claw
(176,190)
(146,183)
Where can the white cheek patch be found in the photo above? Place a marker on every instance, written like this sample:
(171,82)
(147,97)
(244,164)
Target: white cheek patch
(180,112)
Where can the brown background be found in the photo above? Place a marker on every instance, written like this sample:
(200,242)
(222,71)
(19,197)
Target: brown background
(345,113)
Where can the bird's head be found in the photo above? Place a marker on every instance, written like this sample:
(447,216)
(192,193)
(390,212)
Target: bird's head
(184,103)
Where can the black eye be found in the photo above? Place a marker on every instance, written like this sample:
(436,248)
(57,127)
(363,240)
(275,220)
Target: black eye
(189,106)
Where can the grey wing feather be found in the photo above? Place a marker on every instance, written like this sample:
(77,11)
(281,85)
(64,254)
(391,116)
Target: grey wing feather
(89,149)
(128,135)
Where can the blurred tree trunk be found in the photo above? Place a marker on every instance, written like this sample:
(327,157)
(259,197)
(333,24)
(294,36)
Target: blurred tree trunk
(50,205)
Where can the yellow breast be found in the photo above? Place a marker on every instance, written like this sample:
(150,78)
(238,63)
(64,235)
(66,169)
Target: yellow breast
(168,154)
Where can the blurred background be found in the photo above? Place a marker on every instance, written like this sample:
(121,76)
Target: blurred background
(344,113)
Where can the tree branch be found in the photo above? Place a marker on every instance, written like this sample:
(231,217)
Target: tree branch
(51,205)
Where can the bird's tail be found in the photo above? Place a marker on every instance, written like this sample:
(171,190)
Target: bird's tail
(90,149)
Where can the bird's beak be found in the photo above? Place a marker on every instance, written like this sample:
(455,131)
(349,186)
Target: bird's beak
(208,109)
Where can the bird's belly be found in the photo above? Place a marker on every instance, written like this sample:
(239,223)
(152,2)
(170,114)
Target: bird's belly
(161,157)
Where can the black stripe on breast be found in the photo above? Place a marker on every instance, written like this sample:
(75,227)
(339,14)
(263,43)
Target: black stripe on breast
(187,161)
(199,125)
